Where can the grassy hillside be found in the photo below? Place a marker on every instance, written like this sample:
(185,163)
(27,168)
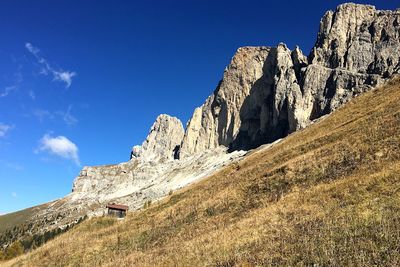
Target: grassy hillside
(8,221)
(17,225)
(329,194)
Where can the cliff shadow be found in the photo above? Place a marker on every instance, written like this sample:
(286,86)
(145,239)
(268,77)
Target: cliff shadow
(261,120)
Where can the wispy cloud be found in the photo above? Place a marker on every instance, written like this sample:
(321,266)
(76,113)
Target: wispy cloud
(5,128)
(32,94)
(66,116)
(42,114)
(58,75)
(14,166)
(6,91)
(32,49)
(64,76)
(14,195)
(10,83)
(69,118)
(60,146)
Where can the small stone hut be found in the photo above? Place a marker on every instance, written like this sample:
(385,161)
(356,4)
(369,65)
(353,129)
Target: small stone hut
(117,210)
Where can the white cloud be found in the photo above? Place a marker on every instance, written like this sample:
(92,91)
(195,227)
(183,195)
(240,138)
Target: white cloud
(65,76)
(32,49)
(66,116)
(8,90)
(5,128)
(14,166)
(60,146)
(32,94)
(58,75)
(42,114)
(14,195)
(16,82)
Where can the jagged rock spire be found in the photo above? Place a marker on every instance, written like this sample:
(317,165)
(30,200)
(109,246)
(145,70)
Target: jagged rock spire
(163,140)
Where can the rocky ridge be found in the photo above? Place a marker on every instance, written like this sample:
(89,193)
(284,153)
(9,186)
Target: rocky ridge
(269,92)
(265,94)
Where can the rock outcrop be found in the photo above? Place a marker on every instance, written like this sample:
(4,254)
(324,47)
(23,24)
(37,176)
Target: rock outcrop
(269,92)
(359,38)
(163,140)
(137,180)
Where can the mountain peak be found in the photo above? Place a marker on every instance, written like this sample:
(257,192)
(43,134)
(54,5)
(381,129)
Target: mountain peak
(163,140)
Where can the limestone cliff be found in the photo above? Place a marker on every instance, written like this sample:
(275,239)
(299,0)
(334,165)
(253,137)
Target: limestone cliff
(269,92)
(163,140)
(265,94)
(218,120)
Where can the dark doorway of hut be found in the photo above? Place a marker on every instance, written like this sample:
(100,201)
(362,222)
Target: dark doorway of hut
(117,210)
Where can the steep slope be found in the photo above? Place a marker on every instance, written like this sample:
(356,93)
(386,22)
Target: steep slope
(7,221)
(10,220)
(326,195)
(148,176)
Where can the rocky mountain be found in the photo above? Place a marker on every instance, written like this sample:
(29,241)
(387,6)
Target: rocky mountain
(163,141)
(218,120)
(269,92)
(265,94)
(324,196)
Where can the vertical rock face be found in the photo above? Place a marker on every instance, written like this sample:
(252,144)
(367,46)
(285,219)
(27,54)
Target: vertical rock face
(267,93)
(271,109)
(163,140)
(357,48)
(257,101)
(217,121)
(359,38)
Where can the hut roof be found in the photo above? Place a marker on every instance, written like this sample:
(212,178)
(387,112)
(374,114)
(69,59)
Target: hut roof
(117,207)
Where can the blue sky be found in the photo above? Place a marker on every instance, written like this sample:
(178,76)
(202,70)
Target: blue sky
(81,82)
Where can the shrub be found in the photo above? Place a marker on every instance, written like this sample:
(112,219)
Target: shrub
(14,250)
(147,204)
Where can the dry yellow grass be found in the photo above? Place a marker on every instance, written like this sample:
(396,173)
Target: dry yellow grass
(327,195)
